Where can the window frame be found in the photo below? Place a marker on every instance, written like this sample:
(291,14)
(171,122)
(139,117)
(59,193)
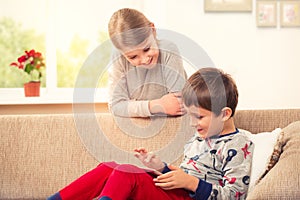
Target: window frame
(51,94)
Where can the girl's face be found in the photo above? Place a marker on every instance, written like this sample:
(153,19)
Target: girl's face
(144,55)
(205,121)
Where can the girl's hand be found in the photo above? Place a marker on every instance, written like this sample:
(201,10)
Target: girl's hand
(149,159)
(170,104)
(176,179)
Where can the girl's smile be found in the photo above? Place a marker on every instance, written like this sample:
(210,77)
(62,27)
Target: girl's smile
(144,55)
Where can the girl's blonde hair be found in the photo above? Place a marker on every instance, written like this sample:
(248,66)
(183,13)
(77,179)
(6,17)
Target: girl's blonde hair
(128,28)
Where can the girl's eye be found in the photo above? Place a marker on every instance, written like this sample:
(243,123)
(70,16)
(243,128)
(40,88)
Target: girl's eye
(132,57)
(146,49)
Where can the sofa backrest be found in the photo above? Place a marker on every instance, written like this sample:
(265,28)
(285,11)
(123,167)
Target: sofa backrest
(40,154)
(257,121)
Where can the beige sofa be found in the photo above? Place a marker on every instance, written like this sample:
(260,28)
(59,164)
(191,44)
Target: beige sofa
(42,153)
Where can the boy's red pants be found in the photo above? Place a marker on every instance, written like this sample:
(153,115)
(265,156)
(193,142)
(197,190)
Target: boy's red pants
(119,182)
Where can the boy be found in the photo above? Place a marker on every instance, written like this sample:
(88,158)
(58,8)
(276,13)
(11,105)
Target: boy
(216,164)
(217,160)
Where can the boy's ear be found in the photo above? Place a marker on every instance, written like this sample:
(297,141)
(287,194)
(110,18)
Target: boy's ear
(226,113)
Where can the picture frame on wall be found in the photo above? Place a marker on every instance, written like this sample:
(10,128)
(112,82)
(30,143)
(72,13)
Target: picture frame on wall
(266,13)
(227,5)
(290,13)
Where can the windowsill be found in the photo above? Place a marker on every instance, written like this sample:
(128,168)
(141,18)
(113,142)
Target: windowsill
(15,96)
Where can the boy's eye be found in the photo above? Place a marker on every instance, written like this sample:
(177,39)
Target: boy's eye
(198,116)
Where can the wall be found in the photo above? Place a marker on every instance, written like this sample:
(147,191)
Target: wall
(264,61)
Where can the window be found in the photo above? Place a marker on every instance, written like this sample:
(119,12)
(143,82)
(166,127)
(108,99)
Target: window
(20,31)
(65,31)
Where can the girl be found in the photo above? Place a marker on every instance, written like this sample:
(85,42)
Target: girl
(145,80)
(147,73)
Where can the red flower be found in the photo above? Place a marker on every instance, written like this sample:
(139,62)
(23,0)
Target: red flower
(30,53)
(22,59)
(14,64)
(31,60)
(37,55)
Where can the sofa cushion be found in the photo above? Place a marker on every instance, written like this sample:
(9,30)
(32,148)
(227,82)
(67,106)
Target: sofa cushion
(264,144)
(281,180)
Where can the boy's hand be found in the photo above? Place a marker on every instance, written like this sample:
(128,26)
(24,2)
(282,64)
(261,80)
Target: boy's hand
(150,160)
(176,179)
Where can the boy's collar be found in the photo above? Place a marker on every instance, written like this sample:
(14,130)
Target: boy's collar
(219,136)
(227,134)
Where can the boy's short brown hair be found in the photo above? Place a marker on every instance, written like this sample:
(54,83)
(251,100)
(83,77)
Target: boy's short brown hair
(211,89)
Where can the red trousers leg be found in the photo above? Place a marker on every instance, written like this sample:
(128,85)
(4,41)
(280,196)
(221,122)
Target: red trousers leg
(89,185)
(130,182)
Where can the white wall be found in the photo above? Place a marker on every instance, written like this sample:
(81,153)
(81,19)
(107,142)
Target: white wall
(265,62)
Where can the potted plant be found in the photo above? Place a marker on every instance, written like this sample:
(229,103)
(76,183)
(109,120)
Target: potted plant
(32,63)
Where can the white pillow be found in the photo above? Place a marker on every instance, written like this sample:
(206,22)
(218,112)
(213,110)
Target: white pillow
(263,148)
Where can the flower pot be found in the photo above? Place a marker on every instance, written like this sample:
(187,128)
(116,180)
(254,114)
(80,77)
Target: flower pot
(32,89)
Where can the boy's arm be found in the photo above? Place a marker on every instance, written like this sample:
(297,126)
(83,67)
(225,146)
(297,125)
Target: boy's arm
(177,178)
(149,159)
(236,169)
(235,180)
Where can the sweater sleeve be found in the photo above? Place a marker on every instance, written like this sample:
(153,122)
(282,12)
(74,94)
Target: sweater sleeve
(174,73)
(119,102)
(173,78)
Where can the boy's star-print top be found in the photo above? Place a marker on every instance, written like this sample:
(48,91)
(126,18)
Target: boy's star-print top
(222,163)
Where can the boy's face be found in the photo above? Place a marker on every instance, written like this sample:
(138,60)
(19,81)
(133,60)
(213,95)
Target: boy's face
(205,121)
(144,55)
